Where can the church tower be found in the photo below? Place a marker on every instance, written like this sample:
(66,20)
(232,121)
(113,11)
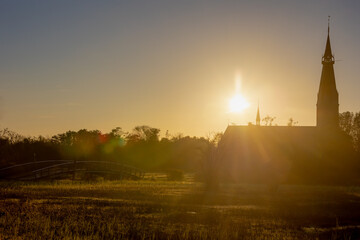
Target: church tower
(327,107)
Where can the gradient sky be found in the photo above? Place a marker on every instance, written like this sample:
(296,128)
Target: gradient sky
(67,65)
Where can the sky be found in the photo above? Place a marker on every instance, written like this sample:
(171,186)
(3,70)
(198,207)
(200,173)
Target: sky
(69,65)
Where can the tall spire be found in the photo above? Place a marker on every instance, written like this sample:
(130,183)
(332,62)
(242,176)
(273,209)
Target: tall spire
(328,57)
(258,116)
(327,112)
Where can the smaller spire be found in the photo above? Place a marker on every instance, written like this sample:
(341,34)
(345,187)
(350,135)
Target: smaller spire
(258,115)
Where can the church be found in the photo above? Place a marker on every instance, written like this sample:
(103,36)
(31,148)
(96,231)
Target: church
(320,154)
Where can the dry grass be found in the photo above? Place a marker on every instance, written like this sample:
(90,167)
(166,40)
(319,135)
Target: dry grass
(157,209)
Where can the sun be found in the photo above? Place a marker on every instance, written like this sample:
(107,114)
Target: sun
(237,104)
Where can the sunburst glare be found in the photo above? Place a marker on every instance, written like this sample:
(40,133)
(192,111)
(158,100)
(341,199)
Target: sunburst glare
(238,103)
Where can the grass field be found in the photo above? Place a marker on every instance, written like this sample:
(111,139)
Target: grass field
(159,209)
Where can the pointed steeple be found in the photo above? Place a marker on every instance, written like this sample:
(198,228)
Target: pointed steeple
(258,116)
(328,57)
(327,112)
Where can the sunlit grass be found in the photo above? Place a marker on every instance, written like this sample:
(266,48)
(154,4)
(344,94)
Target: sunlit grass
(159,209)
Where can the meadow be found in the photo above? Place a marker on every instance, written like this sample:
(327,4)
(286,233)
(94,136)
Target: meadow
(155,208)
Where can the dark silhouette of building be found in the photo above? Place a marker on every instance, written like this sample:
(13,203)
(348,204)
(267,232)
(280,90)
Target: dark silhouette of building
(321,154)
(327,107)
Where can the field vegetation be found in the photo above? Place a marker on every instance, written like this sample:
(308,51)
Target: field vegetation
(155,208)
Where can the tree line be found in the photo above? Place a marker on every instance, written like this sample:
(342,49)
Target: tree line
(142,147)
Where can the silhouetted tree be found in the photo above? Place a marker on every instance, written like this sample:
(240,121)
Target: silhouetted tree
(350,123)
(268,120)
(11,136)
(346,122)
(144,133)
(291,122)
(117,133)
(356,131)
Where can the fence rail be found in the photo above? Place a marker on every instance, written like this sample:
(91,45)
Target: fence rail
(51,169)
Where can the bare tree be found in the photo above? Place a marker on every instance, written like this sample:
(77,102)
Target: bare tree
(11,136)
(291,122)
(268,120)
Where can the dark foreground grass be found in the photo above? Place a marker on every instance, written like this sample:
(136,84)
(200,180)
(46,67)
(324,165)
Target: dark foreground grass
(175,210)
